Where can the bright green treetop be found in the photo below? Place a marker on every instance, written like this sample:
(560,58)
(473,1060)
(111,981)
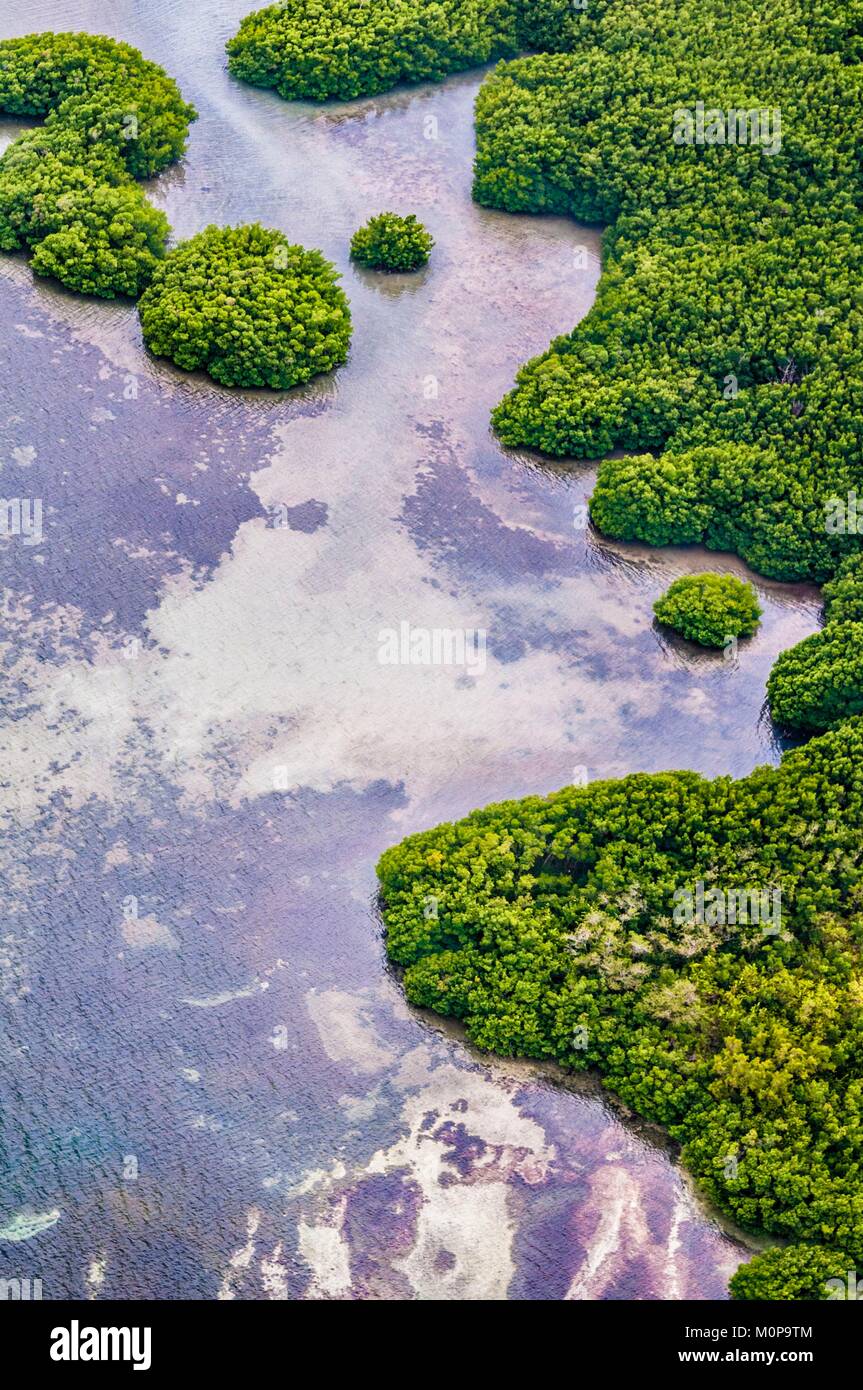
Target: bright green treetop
(246,306)
(68,190)
(390,242)
(709,608)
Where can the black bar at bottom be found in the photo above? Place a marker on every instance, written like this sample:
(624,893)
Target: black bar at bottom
(161,1339)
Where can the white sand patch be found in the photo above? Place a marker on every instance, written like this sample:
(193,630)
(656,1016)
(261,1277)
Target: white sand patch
(314,1179)
(674,1290)
(146,933)
(696,702)
(242,1258)
(462,1246)
(26,1224)
(95,1276)
(227,996)
(621,1228)
(347,1031)
(465,1229)
(116,855)
(327,1253)
(274,1275)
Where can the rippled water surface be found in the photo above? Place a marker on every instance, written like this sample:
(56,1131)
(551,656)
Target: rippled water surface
(211,1085)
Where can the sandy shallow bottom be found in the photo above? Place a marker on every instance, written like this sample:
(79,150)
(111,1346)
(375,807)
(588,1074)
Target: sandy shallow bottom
(215,1088)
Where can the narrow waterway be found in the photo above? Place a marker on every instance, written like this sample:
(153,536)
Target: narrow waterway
(210,1083)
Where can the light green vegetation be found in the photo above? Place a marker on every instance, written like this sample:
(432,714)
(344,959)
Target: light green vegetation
(68,189)
(390,242)
(709,608)
(244,305)
(798,1272)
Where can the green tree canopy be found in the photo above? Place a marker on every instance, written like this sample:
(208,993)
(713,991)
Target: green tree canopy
(309,50)
(709,608)
(698,941)
(67,189)
(391,242)
(820,681)
(798,1272)
(246,306)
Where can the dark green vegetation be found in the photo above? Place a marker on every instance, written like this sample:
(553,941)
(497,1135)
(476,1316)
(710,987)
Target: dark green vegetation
(723,354)
(820,681)
(843,596)
(709,608)
(317,50)
(727,326)
(349,48)
(560,928)
(390,242)
(794,1272)
(67,189)
(244,305)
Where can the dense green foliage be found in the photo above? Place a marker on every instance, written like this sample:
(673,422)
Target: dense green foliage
(727,496)
(317,50)
(312,50)
(843,596)
(798,1272)
(820,681)
(67,189)
(244,305)
(727,325)
(390,242)
(709,608)
(560,928)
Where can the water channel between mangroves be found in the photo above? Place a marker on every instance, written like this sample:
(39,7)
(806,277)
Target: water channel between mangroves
(211,1083)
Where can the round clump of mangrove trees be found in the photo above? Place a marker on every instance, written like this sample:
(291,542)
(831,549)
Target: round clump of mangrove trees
(709,608)
(244,305)
(391,242)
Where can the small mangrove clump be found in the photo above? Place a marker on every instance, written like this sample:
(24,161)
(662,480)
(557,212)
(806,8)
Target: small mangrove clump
(390,242)
(709,608)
